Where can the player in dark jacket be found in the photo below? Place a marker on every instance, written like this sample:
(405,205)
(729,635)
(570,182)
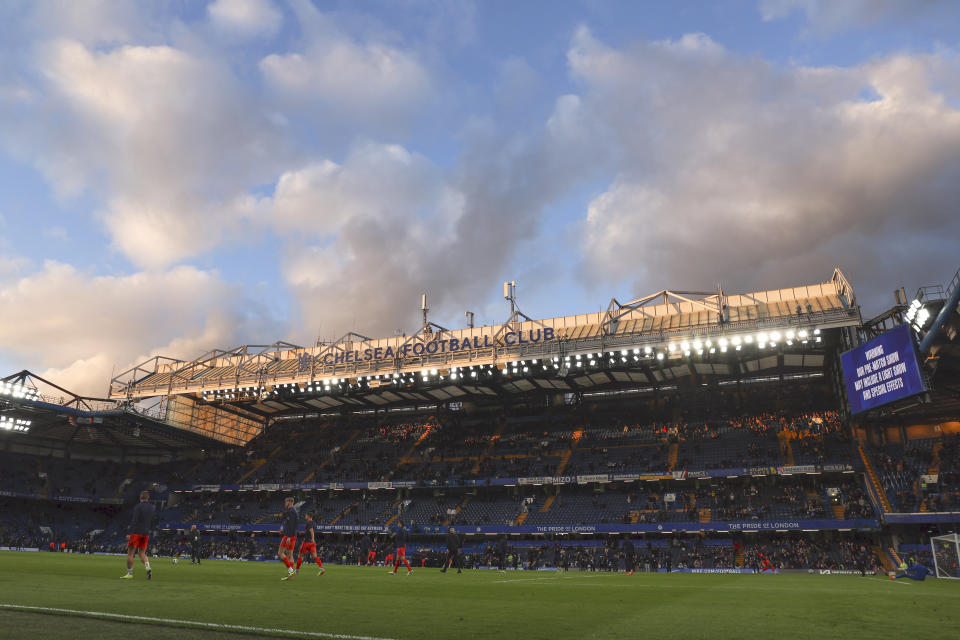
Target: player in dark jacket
(502,553)
(139,534)
(453,551)
(194,545)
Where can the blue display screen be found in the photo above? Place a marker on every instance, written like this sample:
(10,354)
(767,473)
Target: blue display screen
(882,371)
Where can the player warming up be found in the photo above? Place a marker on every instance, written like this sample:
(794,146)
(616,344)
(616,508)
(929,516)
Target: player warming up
(289,540)
(453,551)
(401,537)
(309,545)
(368,551)
(140,534)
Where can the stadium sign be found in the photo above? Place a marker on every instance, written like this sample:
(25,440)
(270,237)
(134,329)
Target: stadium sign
(882,370)
(664,527)
(437,346)
(533,480)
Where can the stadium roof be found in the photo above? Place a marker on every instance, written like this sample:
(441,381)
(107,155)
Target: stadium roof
(40,412)
(651,342)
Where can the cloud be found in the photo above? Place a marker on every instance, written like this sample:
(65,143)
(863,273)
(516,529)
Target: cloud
(245,18)
(74,328)
(450,234)
(367,81)
(324,196)
(829,16)
(768,176)
(90,22)
(162,136)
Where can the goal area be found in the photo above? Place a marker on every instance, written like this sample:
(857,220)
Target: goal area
(946,555)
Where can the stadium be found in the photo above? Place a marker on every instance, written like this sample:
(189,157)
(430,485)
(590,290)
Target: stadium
(440,320)
(594,459)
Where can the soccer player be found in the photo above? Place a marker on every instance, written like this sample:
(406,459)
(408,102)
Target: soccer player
(453,551)
(309,545)
(140,534)
(917,572)
(289,540)
(401,536)
(368,551)
(502,554)
(194,545)
(629,555)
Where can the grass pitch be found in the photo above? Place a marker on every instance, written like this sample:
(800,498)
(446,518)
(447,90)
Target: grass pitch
(249,599)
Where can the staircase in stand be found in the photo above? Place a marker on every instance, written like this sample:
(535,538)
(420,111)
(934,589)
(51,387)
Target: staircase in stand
(126,481)
(314,472)
(786,448)
(345,512)
(672,456)
(839,511)
(406,457)
(704,516)
(259,462)
(875,480)
(935,459)
(546,504)
(486,452)
(323,463)
(885,559)
(456,511)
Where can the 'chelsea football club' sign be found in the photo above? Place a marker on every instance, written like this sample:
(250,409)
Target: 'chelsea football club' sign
(415,349)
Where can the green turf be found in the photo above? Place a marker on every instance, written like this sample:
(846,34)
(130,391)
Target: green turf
(477,604)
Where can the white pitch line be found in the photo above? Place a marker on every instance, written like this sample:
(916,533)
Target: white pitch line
(188,623)
(565,577)
(887,580)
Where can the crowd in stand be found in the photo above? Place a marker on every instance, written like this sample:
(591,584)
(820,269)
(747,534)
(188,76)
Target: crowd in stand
(432,449)
(902,469)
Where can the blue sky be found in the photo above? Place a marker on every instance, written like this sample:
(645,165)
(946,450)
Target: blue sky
(179,176)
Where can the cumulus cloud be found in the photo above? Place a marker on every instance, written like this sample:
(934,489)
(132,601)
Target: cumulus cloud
(163,136)
(453,238)
(374,181)
(767,175)
(376,83)
(74,328)
(245,18)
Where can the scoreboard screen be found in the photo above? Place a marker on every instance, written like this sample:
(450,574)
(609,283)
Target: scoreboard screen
(882,371)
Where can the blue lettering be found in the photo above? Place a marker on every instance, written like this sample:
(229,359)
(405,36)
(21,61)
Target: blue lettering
(476,343)
(454,344)
(443,346)
(337,359)
(486,341)
(406,348)
(520,339)
(415,351)
(532,339)
(507,338)
(327,359)
(349,357)
(388,353)
(378,353)
(434,345)
(367,355)
(548,334)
